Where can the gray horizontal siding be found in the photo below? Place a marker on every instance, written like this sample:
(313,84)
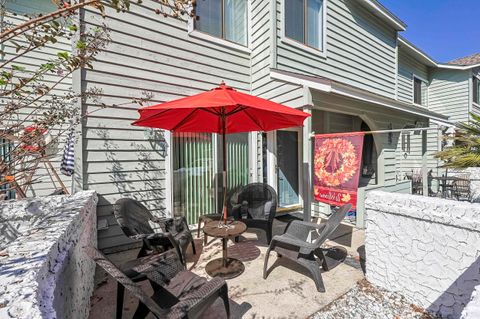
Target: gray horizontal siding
(411,161)
(360,50)
(449,93)
(147,53)
(407,68)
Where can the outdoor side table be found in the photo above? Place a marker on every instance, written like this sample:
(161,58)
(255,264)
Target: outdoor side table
(205,219)
(224,267)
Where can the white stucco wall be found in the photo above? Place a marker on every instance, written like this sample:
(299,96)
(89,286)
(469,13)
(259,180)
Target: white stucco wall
(427,249)
(43,270)
(475,183)
(472,310)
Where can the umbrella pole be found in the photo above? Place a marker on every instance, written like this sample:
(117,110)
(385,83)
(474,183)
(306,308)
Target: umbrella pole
(224,146)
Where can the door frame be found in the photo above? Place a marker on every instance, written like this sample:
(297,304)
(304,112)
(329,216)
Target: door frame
(273,169)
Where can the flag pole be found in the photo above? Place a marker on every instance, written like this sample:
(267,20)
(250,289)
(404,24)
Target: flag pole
(401,130)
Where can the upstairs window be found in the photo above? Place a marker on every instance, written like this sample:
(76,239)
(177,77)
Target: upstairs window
(476,90)
(304,22)
(419,91)
(226,19)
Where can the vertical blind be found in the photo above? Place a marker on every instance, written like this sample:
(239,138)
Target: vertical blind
(225,19)
(304,22)
(193,175)
(195,169)
(237,156)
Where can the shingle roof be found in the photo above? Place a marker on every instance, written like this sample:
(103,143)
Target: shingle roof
(468,60)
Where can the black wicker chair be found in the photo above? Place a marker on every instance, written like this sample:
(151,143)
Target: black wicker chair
(293,244)
(178,293)
(134,219)
(461,187)
(258,205)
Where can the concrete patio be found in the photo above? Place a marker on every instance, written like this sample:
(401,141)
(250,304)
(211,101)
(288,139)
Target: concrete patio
(287,292)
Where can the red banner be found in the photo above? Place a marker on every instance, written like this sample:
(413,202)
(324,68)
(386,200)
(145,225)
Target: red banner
(337,168)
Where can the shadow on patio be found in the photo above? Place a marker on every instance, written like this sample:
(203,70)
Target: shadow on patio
(287,292)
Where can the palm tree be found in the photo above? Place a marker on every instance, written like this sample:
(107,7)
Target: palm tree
(465,151)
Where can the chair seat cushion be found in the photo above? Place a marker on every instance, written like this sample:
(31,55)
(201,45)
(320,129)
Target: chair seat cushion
(134,269)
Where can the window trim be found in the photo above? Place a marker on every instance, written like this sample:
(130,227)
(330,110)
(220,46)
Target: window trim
(303,46)
(194,33)
(414,76)
(477,76)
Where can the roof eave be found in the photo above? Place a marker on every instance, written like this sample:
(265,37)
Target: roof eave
(457,67)
(431,62)
(383,13)
(416,51)
(330,86)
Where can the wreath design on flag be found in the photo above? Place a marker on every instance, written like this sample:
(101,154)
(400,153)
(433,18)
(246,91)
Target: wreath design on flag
(335,161)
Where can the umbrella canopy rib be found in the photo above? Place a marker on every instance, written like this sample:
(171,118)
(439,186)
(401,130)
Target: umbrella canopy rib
(239,108)
(186,118)
(254,120)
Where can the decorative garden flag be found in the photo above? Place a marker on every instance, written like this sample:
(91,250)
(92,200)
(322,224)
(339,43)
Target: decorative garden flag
(337,167)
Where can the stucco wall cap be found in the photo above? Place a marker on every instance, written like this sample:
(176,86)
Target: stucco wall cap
(437,210)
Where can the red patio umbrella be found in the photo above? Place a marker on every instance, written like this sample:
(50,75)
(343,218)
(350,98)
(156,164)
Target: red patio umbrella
(221,110)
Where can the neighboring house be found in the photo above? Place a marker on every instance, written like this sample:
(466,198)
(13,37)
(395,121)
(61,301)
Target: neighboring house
(340,60)
(447,88)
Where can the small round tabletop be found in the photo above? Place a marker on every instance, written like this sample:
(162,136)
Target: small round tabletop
(218,229)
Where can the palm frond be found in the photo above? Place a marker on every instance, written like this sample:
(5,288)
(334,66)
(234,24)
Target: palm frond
(466,149)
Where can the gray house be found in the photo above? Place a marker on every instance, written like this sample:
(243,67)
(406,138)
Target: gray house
(343,61)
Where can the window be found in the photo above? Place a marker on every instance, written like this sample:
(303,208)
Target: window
(406,142)
(476,90)
(226,19)
(304,22)
(419,91)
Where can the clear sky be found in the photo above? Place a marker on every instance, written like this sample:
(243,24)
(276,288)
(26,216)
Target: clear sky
(444,29)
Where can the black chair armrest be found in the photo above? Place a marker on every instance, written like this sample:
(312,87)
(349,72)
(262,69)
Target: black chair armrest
(300,229)
(294,242)
(203,295)
(184,223)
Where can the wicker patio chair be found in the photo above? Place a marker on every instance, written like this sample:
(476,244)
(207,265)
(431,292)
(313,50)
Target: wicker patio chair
(417,182)
(461,187)
(178,293)
(258,205)
(134,219)
(293,244)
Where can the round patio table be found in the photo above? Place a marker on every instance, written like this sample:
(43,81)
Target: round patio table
(224,267)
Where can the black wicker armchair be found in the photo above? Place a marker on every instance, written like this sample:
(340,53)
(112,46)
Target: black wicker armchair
(294,246)
(178,293)
(134,219)
(257,207)
(461,187)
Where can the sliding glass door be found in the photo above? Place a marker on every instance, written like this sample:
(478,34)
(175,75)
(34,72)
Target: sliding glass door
(197,167)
